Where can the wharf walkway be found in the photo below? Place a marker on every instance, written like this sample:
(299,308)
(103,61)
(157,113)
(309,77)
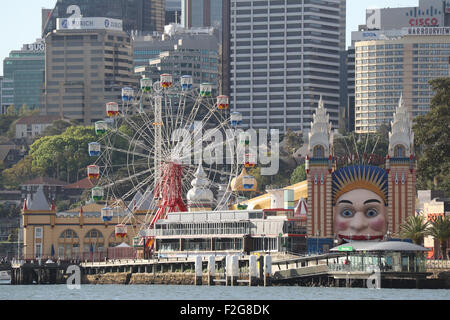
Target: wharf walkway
(280,269)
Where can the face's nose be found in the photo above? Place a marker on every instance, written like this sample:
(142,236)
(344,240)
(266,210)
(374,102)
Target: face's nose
(359,222)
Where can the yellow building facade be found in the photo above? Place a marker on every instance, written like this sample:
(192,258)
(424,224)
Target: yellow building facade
(78,234)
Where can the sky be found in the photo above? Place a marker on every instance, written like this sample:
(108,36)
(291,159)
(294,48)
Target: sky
(20,20)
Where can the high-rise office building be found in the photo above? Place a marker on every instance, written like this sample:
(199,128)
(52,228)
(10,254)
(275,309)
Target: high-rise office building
(391,23)
(173,11)
(285,55)
(23,72)
(388,69)
(86,66)
(201,13)
(137,15)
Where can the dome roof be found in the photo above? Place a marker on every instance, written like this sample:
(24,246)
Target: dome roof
(200,193)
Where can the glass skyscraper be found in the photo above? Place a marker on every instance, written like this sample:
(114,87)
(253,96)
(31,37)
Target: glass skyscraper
(23,76)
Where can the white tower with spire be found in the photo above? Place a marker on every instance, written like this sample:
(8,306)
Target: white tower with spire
(200,197)
(401,168)
(319,165)
(320,136)
(401,137)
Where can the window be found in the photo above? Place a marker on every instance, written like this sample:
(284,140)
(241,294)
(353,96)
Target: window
(399,151)
(37,250)
(38,233)
(319,152)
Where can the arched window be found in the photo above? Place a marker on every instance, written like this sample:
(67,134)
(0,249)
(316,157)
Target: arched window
(319,151)
(68,245)
(93,234)
(399,151)
(93,245)
(68,234)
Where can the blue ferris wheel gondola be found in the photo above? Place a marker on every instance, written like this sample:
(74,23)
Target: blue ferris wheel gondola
(186,82)
(94,149)
(127,94)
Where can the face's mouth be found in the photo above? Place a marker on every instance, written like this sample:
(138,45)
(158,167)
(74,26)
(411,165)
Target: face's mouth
(360,237)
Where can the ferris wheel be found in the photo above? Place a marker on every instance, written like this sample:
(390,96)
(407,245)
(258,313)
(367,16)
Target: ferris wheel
(168,147)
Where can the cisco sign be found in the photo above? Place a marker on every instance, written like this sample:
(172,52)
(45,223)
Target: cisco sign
(88,23)
(422,22)
(424,17)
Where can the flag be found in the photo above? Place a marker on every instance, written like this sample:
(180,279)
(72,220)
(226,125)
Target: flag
(53,251)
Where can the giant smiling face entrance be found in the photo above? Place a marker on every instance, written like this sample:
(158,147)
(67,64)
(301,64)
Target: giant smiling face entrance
(360,203)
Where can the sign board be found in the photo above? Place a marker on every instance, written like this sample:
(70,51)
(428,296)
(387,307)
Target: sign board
(429,31)
(88,24)
(38,46)
(447,6)
(429,13)
(345,248)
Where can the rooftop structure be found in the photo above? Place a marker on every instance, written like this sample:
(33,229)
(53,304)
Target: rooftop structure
(137,15)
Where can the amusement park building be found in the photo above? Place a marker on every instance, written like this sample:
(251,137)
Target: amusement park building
(86,67)
(79,234)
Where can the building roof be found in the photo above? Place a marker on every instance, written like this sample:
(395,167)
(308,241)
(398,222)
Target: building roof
(39,201)
(80,184)
(4,150)
(90,210)
(44,181)
(380,246)
(37,119)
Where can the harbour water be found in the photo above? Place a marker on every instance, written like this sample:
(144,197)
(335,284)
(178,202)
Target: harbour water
(172,292)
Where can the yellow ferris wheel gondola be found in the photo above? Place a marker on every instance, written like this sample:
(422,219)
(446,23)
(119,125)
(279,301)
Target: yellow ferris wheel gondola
(244,182)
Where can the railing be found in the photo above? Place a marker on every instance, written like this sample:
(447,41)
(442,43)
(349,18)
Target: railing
(438,264)
(352,268)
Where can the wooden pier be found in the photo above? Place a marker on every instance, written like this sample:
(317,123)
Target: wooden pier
(265,270)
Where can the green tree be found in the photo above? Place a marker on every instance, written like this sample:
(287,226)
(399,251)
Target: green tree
(19,173)
(5,122)
(292,142)
(57,127)
(440,230)
(432,140)
(298,175)
(64,154)
(414,228)
(353,148)
(11,111)
(26,111)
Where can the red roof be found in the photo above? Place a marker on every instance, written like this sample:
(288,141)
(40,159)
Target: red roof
(44,181)
(38,119)
(81,184)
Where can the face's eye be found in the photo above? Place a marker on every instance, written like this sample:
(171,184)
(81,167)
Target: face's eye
(347,213)
(371,213)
